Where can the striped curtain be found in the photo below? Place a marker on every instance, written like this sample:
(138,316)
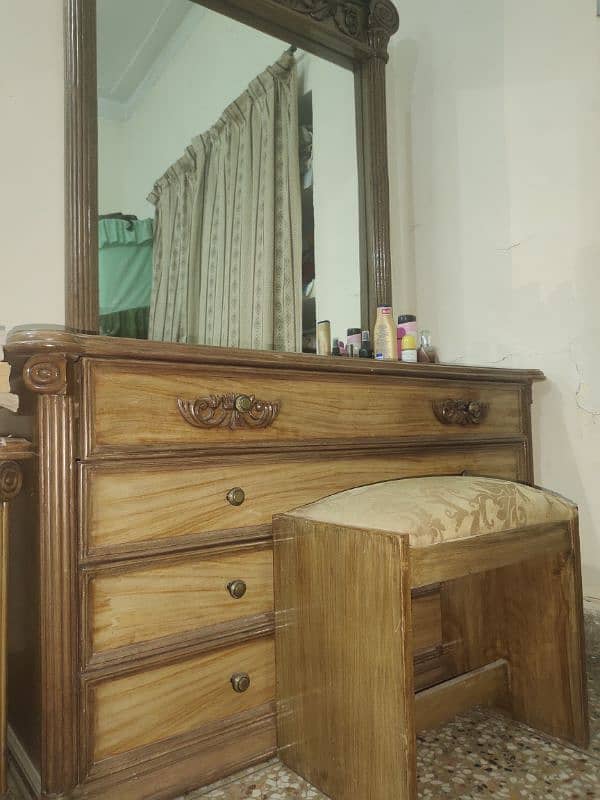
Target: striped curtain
(228,226)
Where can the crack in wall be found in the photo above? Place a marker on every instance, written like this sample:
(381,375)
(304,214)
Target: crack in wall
(580,385)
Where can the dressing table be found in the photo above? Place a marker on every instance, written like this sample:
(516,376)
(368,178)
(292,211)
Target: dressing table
(145,661)
(159,468)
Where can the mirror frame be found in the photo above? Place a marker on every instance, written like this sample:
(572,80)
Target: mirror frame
(352,33)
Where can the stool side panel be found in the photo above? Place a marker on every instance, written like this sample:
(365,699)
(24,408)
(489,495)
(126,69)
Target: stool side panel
(344,658)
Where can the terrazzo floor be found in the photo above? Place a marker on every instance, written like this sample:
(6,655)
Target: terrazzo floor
(479,756)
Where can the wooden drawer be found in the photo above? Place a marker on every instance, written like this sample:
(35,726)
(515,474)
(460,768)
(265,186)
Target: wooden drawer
(160,603)
(133,406)
(170,702)
(138,710)
(146,505)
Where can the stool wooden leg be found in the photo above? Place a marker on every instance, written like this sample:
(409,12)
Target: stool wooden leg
(543,610)
(531,614)
(344,659)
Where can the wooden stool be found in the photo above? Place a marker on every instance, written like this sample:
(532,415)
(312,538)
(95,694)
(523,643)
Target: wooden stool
(506,557)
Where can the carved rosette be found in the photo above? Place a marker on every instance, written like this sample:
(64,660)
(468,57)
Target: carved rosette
(349,16)
(228,411)
(460,412)
(46,374)
(11,480)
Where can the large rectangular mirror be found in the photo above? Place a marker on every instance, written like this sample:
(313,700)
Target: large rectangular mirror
(220,152)
(239,190)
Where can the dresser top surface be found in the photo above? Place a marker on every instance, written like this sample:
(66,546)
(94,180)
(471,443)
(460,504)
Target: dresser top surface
(28,341)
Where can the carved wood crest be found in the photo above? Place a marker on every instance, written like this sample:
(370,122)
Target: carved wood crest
(460,412)
(228,411)
(373,21)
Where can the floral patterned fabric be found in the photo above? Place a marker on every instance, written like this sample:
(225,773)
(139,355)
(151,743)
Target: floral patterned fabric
(440,509)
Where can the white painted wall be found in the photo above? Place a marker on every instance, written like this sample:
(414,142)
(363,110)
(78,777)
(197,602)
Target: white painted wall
(31,164)
(494,130)
(208,63)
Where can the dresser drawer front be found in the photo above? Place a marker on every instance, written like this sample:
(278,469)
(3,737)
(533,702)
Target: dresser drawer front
(133,711)
(134,406)
(167,599)
(155,505)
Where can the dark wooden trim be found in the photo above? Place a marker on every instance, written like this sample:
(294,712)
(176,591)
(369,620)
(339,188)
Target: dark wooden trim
(81,166)
(58,593)
(527,400)
(373,150)
(31,341)
(185,762)
(353,33)
(205,641)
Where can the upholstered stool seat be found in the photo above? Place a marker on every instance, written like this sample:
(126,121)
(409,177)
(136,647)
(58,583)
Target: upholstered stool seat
(441,509)
(503,559)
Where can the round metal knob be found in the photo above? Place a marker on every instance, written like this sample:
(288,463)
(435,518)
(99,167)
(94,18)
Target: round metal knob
(240,682)
(236,496)
(236,589)
(243,403)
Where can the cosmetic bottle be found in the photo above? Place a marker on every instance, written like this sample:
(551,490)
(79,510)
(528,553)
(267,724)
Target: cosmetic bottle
(426,353)
(409,348)
(353,342)
(365,348)
(324,338)
(385,343)
(407,326)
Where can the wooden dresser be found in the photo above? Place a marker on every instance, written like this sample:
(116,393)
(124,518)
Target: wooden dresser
(158,470)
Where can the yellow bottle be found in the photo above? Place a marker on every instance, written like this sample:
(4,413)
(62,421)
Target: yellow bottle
(385,342)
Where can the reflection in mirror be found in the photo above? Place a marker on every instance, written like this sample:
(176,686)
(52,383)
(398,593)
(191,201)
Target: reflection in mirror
(228,182)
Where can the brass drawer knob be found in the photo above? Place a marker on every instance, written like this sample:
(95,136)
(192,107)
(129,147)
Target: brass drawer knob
(243,403)
(237,589)
(240,682)
(236,496)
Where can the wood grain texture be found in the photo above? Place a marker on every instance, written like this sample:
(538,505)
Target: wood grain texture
(133,605)
(186,762)
(426,622)
(129,506)
(449,560)
(157,704)
(131,406)
(343,682)
(487,686)
(530,614)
